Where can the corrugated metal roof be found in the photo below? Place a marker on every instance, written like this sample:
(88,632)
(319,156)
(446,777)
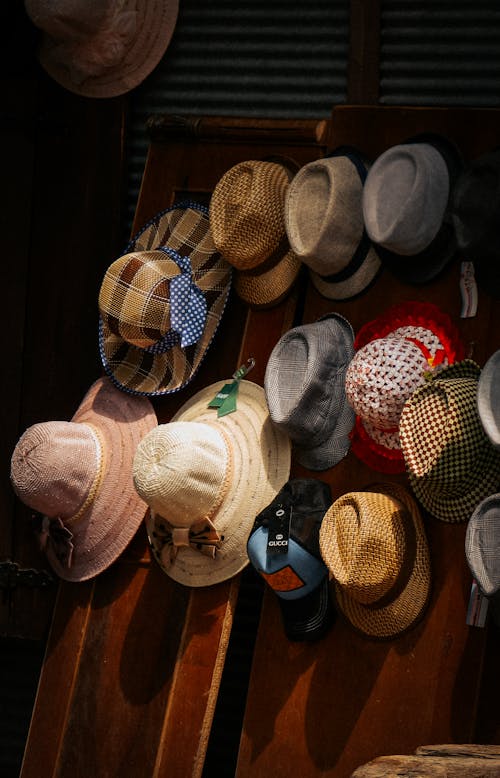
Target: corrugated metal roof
(440,52)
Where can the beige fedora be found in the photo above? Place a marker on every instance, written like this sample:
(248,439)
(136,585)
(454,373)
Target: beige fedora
(248,227)
(205,479)
(102,48)
(374,545)
(78,475)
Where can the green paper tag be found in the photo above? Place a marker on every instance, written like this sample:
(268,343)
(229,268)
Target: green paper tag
(229,403)
(221,395)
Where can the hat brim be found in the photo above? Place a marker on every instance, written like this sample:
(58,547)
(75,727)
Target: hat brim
(105,529)
(354,285)
(263,290)
(155,25)
(336,446)
(139,371)
(308,618)
(406,610)
(486,390)
(261,466)
(384,459)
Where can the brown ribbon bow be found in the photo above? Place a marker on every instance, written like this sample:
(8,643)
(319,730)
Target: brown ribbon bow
(201,536)
(55,533)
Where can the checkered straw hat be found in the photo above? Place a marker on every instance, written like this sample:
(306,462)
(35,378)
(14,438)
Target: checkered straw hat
(161,303)
(374,545)
(450,461)
(394,352)
(324,223)
(248,227)
(305,389)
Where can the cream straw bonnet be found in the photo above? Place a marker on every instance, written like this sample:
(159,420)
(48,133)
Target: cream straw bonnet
(205,479)
(78,475)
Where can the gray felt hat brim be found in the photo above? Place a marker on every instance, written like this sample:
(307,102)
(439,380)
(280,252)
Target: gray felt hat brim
(488,398)
(482,544)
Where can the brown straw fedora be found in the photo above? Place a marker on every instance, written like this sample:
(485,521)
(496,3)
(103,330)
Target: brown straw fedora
(374,545)
(205,478)
(248,227)
(161,303)
(102,48)
(78,474)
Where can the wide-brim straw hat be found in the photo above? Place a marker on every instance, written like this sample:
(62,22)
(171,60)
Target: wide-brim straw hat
(450,461)
(248,227)
(202,468)
(161,303)
(375,547)
(474,214)
(324,223)
(80,472)
(102,48)
(393,354)
(488,398)
(406,206)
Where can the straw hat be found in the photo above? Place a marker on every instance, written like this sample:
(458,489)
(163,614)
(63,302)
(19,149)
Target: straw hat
(305,389)
(488,398)
(374,545)
(78,474)
(205,479)
(450,461)
(474,214)
(102,48)
(248,227)
(324,224)
(406,202)
(394,353)
(161,303)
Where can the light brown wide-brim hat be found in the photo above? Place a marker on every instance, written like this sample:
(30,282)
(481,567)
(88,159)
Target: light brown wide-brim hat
(205,478)
(102,48)
(161,303)
(248,226)
(450,462)
(78,475)
(375,547)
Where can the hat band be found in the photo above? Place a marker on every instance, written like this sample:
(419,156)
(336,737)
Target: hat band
(96,484)
(271,261)
(407,565)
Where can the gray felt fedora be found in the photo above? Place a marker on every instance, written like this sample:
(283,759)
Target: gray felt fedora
(324,224)
(482,550)
(406,206)
(304,384)
(488,398)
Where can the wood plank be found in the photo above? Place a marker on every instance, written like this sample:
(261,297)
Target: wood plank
(329,707)
(149,654)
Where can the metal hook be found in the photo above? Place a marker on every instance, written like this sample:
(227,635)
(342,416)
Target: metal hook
(244,369)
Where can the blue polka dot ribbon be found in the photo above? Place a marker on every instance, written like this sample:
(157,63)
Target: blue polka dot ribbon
(188,307)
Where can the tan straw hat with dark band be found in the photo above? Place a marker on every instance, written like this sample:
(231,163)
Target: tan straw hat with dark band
(248,227)
(78,474)
(161,303)
(102,48)
(374,545)
(205,479)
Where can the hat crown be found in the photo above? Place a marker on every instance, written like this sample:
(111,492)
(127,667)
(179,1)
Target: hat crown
(367,543)
(134,299)
(181,470)
(247,212)
(54,466)
(405,197)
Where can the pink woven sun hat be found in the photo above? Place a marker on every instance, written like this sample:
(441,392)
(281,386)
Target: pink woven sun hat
(393,355)
(78,475)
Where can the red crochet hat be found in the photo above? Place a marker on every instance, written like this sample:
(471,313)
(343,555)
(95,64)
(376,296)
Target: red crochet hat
(393,354)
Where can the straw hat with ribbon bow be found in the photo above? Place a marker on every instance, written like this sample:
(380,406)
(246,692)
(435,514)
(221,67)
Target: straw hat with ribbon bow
(161,303)
(78,476)
(205,477)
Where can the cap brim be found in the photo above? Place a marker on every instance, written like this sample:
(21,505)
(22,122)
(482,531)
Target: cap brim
(308,618)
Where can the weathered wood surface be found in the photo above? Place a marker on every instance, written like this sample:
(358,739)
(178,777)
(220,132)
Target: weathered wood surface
(323,710)
(446,761)
(134,660)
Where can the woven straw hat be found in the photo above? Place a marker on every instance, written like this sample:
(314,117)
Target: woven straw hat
(488,398)
(102,48)
(406,204)
(394,353)
(248,227)
(450,461)
(161,303)
(78,474)
(305,389)
(374,545)
(205,479)
(324,224)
